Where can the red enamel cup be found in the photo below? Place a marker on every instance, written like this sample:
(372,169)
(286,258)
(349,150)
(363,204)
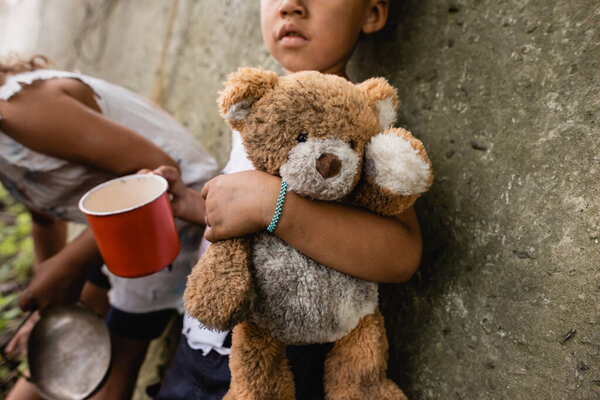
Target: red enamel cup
(133,224)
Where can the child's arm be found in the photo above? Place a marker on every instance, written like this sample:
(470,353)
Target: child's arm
(351,240)
(60,278)
(186,203)
(59,118)
(49,236)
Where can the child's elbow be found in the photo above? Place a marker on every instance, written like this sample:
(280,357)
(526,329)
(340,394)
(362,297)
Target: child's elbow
(404,271)
(406,264)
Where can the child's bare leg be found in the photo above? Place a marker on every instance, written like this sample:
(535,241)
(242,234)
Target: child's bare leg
(127,357)
(355,368)
(259,366)
(96,298)
(24,390)
(127,354)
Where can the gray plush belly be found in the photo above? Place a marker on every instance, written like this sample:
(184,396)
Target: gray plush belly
(301,301)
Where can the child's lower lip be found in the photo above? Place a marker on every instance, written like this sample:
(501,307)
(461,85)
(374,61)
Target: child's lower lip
(292,41)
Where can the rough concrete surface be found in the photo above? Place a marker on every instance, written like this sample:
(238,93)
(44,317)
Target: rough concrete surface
(505,94)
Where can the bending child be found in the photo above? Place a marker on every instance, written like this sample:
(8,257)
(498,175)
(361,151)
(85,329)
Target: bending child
(62,133)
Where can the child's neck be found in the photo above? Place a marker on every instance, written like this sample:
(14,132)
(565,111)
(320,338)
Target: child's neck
(337,70)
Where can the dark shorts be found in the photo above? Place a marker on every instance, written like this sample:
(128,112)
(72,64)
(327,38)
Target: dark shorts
(308,366)
(193,376)
(138,326)
(135,326)
(99,279)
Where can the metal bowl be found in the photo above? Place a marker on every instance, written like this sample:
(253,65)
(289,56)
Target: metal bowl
(69,353)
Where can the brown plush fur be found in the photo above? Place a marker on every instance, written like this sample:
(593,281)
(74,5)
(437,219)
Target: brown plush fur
(272,113)
(377,89)
(365,349)
(259,368)
(299,97)
(369,195)
(221,291)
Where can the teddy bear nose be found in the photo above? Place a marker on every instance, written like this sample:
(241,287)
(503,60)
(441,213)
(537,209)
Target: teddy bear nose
(329,165)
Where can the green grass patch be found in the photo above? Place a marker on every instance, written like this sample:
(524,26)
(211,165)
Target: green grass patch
(16,262)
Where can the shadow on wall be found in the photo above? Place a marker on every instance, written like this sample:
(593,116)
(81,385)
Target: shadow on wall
(503,96)
(408,308)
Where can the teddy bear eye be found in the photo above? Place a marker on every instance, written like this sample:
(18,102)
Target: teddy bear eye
(352,144)
(302,137)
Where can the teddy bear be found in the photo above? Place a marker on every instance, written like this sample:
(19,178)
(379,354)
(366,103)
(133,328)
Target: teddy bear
(330,140)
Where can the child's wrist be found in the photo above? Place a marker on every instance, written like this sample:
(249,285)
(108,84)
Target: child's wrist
(278,207)
(270,196)
(191,207)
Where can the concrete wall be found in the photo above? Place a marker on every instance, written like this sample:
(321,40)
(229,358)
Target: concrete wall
(505,96)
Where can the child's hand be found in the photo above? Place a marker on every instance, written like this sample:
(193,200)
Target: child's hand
(239,203)
(19,340)
(186,203)
(177,189)
(54,284)
(60,278)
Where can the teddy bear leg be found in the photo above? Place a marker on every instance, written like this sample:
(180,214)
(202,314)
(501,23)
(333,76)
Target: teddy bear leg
(219,289)
(356,366)
(259,366)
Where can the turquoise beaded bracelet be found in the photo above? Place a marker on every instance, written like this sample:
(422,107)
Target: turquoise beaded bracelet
(279,207)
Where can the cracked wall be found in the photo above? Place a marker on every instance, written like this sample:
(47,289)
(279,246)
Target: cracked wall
(505,96)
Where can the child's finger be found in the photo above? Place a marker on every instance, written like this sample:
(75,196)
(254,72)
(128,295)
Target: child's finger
(170,174)
(167,172)
(209,234)
(26,301)
(144,171)
(10,347)
(19,342)
(205,189)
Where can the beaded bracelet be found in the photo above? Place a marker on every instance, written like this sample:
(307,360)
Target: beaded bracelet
(279,207)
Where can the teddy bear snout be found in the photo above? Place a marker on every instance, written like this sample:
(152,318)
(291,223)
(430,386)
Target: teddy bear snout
(328,165)
(323,169)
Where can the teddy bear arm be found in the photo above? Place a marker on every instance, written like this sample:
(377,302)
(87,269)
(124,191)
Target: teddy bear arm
(378,199)
(396,172)
(219,289)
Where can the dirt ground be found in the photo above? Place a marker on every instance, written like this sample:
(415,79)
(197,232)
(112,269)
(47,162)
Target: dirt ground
(157,360)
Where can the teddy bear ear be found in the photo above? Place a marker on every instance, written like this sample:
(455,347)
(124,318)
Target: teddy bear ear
(242,89)
(383,99)
(397,161)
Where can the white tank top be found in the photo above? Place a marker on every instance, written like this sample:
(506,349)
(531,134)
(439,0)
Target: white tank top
(54,185)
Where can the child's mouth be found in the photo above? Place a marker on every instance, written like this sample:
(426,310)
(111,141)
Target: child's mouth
(291,36)
(292,40)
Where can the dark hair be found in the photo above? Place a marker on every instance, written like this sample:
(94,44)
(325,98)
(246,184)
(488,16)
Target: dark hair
(15,66)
